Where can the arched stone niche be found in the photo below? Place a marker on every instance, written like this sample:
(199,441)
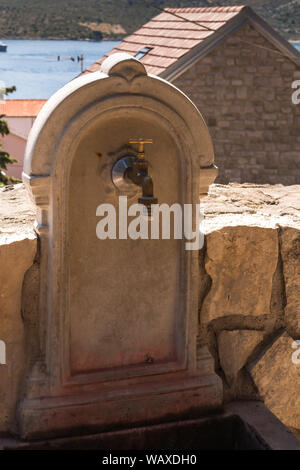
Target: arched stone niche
(118,319)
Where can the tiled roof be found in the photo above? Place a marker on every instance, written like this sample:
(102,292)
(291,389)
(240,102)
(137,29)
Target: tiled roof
(171,37)
(21,108)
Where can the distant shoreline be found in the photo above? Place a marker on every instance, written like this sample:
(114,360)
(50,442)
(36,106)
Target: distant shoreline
(17,38)
(116,39)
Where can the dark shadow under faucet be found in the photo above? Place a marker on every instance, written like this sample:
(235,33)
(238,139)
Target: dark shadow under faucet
(138,174)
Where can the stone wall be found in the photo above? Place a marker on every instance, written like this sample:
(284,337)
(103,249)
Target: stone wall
(249,314)
(244,93)
(18,247)
(249,309)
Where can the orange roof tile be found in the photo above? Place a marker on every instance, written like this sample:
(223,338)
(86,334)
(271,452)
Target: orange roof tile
(171,37)
(174,33)
(207,9)
(21,108)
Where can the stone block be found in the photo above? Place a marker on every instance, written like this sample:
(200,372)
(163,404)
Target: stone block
(278,380)
(235,348)
(290,252)
(242,92)
(241,262)
(15,259)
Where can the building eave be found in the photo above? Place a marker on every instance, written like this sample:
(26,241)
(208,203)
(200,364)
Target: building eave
(202,49)
(246,15)
(274,37)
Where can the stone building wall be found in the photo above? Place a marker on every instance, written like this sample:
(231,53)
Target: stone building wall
(244,93)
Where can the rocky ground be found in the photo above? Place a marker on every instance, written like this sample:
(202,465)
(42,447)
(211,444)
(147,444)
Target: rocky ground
(226,205)
(17,214)
(249,204)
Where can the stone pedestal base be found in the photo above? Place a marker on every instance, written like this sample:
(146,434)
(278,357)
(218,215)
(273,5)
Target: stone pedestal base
(155,400)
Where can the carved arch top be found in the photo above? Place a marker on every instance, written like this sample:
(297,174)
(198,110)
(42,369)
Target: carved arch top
(120,76)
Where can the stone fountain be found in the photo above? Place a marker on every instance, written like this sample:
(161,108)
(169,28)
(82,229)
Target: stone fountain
(118,319)
(113,359)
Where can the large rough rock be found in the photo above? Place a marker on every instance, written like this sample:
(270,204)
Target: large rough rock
(244,225)
(18,246)
(251,205)
(17,214)
(241,262)
(235,348)
(278,380)
(290,252)
(15,259)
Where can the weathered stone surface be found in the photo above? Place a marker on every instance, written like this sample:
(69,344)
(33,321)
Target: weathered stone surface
(235,348)
(251,205)
(297,433)
(226,205)
(241,262)
(278,381)
(15,259)
(290,252)
(17,214)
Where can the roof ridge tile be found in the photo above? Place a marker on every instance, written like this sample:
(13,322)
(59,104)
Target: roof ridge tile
(227,9)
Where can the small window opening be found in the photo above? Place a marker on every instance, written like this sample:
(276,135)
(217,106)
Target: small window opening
(142,52)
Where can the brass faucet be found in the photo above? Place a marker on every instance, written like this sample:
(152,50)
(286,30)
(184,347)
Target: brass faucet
(138,174)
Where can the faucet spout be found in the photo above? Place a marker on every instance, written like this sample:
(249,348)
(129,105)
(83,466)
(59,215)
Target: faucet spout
(148,197)
(138,174)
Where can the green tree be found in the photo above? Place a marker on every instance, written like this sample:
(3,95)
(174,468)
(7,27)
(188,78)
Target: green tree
(5,158)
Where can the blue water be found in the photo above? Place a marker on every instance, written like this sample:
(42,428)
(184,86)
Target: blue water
(33,68)
(297,46)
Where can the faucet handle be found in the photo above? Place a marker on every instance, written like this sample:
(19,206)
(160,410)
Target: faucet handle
(141,143)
